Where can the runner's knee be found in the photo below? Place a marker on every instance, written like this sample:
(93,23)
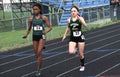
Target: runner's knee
(39,54)
(71,52)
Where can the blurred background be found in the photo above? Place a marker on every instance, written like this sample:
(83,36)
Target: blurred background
(14,16)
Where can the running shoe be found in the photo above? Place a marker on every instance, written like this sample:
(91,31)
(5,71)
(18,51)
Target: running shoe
(82,68)
(37,73)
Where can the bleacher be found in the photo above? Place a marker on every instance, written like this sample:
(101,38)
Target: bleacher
(55,3)
(67,4)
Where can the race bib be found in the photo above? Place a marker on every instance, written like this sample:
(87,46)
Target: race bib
(38,28)
(77,33)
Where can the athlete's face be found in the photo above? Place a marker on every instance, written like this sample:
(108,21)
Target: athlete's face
(74,12)
(36,10)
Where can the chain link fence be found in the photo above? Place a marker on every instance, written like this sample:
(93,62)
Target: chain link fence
(93,16)
(21,22)
(9,22)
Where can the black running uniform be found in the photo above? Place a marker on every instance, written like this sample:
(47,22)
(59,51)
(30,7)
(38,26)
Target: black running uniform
(38,28)
(76,34)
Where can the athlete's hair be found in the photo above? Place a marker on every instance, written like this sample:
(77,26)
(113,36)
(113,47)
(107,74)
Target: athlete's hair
(39,5)
(75,6)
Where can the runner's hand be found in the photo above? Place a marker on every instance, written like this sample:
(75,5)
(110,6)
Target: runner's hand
(63,38)
(25,36)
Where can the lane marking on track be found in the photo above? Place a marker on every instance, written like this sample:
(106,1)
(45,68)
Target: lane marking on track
(107,70)
(30,56)
(74,57)
(87,63)
(59,42)
(61,47)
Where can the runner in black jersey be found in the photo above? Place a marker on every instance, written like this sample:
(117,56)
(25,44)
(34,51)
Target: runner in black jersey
(37,22)
(76,36)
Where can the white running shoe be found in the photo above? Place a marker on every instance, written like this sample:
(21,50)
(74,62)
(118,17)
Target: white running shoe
(37,73)
(82,68)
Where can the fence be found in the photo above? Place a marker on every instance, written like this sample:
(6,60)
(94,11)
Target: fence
(96,13)
(21,22)
(90,15)
(94,17)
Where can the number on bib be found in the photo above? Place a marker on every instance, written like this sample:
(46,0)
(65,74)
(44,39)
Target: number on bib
(77,33)
(38,27)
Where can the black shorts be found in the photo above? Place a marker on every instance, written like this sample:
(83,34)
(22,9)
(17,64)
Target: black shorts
(78,39)
(38,37)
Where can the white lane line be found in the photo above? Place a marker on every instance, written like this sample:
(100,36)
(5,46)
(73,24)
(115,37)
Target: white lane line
(16,53)
(87,63)
(34,61)
(59,42)
(107,70)
(105,39)
(104,29)
(49,66)
(104,33)
(72,57)
(30,50)
(57,47)
(30,63)
(30,56)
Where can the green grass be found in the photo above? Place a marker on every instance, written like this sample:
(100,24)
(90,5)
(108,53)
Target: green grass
(13,39)
(56,32)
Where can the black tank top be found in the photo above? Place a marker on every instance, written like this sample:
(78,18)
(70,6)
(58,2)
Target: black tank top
(75,28)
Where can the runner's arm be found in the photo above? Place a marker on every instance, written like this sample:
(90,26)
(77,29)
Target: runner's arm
(66,31)
(81,19)
(29,27)
(48,24)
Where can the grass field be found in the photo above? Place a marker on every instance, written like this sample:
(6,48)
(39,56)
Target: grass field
(13,39)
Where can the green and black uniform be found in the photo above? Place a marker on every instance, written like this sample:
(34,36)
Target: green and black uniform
(38,28)
(76,34)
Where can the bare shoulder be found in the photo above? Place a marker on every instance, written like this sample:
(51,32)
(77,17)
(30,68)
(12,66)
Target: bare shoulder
(30,19)
(81,18)
(44,17)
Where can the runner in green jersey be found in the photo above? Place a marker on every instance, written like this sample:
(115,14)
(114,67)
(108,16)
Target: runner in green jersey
(37,22)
